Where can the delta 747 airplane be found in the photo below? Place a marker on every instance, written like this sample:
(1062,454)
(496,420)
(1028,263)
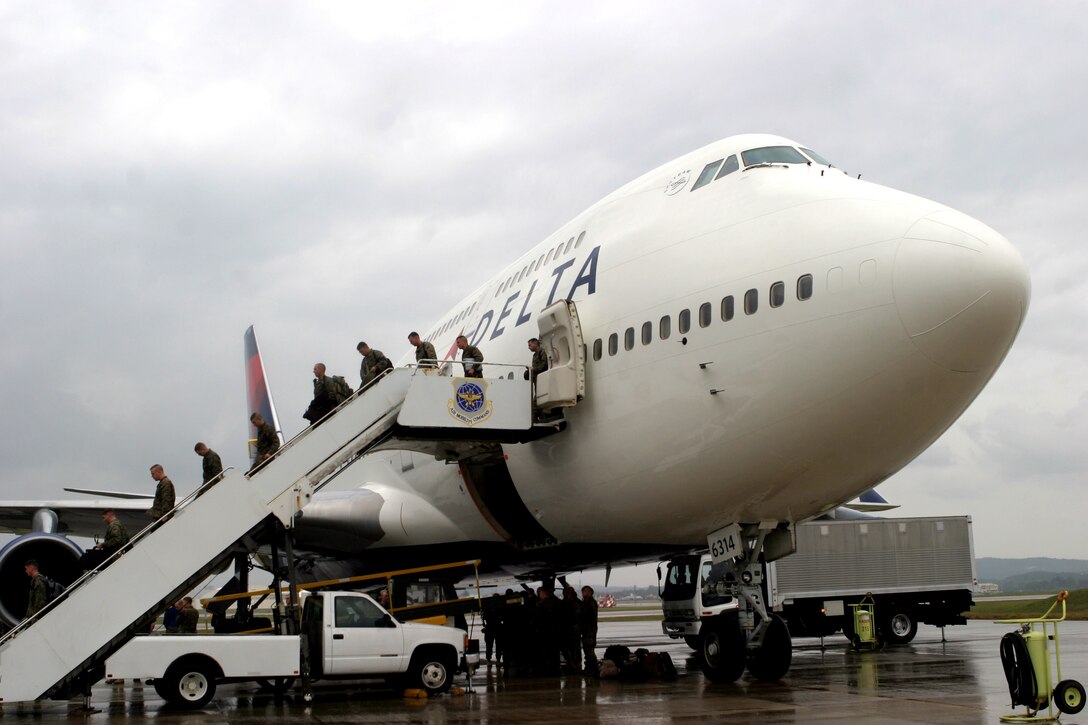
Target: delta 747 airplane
(763,337)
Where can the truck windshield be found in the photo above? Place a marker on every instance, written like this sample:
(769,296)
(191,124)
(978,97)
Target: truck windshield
(681,579)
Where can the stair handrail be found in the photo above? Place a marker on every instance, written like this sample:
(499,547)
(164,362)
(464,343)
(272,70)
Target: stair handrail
(133,541)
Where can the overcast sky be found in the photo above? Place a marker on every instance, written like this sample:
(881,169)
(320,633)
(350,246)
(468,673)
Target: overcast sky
(173,173)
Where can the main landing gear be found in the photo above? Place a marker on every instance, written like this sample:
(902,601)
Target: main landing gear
(753,638)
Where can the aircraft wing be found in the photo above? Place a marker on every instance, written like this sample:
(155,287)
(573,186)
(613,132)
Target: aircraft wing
(81,517)
(112,494)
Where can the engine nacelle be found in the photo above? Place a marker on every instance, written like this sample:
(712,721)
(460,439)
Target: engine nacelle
(58,559)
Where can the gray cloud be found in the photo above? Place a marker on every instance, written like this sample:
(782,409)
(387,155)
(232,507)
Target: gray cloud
(170,176)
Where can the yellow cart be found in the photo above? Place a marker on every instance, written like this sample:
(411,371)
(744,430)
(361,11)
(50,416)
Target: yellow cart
(1025,657)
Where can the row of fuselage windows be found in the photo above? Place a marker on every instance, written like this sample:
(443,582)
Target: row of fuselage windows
(562,249)
(776,297)
(533,266)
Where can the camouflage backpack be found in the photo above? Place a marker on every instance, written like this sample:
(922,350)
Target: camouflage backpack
(340,389)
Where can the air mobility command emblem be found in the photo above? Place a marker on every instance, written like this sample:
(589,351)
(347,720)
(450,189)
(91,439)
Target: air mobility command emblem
(678,182)
(469,403)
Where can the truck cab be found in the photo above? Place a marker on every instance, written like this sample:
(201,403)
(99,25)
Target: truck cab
(918,570)
(344,635)
(359,637)
(694,590)
(348,634)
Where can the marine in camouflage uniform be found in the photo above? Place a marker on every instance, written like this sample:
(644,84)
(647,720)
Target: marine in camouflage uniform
(212,464)
(116,534)
(326,396)
(424,351)
(374,364)
(471,352)
(188,617)
(267,440)
(540,359)
(38,592)
(116,537)
(164,494)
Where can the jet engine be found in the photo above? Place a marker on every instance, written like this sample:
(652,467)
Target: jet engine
(57,557)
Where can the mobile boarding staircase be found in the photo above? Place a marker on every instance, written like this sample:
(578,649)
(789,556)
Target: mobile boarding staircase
(60,651)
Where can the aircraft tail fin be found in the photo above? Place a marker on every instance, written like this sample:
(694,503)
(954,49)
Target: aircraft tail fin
(871,501)
(258,393)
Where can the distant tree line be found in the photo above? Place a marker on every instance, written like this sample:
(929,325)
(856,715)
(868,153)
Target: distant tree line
(1043,581)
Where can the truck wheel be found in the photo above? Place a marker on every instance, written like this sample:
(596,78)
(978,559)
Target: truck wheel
(722,650)
(188,684)
(901,626)
(848,629)
(431,671)
(772,660)
(693,641)
(1069,696)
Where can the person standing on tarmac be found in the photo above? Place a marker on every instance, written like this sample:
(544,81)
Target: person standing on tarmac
(570,633)
(491,612)
(587,625)
(425,354)
(188,617)
(170,617)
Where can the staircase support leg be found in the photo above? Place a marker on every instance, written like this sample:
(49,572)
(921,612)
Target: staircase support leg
(293,622)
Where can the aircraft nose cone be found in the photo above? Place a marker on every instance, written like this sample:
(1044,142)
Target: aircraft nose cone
(961,289)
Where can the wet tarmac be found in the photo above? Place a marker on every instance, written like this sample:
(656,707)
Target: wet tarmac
(927,681)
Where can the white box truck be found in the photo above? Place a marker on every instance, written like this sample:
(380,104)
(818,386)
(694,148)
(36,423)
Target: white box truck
(347,635)
(918,570)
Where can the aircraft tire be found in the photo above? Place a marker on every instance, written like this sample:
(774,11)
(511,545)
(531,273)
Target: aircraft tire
(722,648)
(772,660)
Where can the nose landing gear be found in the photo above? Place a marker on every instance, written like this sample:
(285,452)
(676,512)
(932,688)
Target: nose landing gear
(754,638)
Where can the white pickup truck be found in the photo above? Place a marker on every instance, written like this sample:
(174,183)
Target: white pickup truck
(348,635)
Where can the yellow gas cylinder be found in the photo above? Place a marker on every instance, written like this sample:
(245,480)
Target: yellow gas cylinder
(864,626)
(1040,661)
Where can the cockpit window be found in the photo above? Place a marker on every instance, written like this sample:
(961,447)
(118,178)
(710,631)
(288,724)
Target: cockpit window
(708,174)
(728,167)
(773,155)
(816,157)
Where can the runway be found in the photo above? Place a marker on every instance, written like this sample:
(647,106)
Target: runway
(927,681)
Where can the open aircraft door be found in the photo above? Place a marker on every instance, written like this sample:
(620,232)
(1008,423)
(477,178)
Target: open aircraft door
(564,382)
